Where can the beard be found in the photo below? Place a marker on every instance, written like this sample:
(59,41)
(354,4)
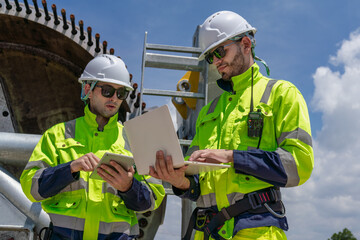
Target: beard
(235,67)
(99,109)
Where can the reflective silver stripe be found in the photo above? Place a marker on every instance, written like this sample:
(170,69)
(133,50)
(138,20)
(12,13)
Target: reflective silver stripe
(77,185)
(134,230)
(38,164)
(119,227)
(206,200)
(107,188)
(70,129)
(104,227)
(67,221)
(191,150)
(127,145)
(233,197)
(210,199)
(213,105)
(154,180)
(299,133)
(289,164)
(267,92)
(35,185)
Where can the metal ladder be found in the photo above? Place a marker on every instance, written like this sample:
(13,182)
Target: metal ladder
(175,62)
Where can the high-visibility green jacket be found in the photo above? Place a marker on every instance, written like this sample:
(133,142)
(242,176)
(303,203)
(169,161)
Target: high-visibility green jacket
(79,206)
(284,157)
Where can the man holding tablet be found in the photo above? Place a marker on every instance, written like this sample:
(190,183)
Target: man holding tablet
(58,172)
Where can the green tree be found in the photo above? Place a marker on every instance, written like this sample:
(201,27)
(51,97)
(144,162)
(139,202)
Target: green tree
(346,234)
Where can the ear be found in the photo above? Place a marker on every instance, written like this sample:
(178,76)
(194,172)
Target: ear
(247,44)
(87,89)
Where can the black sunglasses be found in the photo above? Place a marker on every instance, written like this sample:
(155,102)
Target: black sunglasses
(108,91)
(219,53)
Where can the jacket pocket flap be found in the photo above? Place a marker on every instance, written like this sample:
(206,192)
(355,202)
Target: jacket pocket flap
(66,202)
(70,142)
(209,117)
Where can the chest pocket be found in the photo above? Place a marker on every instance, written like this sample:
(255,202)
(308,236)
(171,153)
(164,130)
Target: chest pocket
(64,205)
(69,149)
(70,205)
(209,130)
(66,202)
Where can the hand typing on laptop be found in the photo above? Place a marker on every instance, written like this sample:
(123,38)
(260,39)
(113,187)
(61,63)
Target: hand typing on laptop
(212,156)
(165,171)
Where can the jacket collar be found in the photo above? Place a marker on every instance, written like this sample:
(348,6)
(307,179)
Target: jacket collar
(240,82)
(90,119)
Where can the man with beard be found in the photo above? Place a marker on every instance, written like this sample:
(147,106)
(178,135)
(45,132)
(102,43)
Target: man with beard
(260,126)
(58,171)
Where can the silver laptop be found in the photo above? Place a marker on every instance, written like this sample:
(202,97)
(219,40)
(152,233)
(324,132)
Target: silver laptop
(155,131)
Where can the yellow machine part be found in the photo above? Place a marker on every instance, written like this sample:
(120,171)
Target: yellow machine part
(188,83)
(180,107)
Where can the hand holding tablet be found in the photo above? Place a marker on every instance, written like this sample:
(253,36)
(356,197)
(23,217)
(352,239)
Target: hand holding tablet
(125,161)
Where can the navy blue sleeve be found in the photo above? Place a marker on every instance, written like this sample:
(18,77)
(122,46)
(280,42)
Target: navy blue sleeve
(263,165)
(54,179)
(137,198)
(193,192)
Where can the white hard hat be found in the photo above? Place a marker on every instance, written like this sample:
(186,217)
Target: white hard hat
(107,68)
(220,27)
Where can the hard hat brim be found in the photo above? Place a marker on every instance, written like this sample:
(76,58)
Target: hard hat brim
(107,80)
(215,44)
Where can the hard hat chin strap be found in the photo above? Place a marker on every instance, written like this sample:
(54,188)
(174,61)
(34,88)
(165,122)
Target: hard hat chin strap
(84,97)
(262,61)
(253,44)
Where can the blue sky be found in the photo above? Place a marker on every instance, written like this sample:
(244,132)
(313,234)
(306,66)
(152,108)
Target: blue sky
(313,44)
(294,37)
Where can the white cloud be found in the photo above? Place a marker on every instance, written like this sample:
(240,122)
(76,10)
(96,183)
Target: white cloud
(330,200)
(349,52)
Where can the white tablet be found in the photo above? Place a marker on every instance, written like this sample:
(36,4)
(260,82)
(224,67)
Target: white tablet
(125,161)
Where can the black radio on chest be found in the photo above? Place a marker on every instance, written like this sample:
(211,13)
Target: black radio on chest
(255,123)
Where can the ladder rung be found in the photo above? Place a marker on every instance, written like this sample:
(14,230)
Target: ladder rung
(172,62)
(168,93)
(169,48)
